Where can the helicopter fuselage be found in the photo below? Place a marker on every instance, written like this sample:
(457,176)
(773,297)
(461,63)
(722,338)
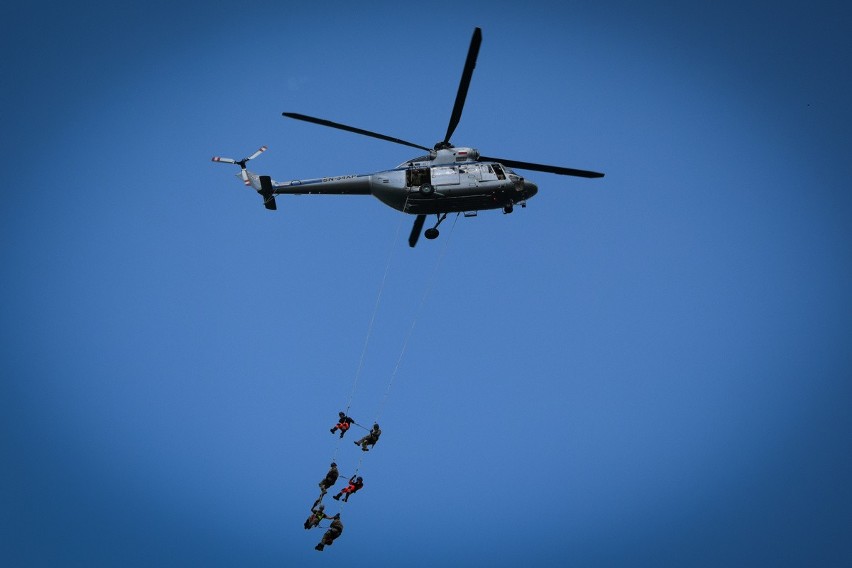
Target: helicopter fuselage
(445,182)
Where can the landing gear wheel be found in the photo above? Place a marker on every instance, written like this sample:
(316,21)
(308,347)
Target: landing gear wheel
(431,233)
(508,209)
(427,189)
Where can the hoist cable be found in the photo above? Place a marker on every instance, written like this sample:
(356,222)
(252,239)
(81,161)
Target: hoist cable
(358,370)
(429,284)
(373,316)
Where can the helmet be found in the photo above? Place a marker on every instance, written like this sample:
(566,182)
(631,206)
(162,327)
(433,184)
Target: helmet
(341,414)
(321,507)
(360,479)
(333,464)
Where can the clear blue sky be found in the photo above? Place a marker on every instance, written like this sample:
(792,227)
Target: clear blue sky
(650,369)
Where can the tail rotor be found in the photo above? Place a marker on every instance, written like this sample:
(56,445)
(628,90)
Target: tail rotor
(241,163)
(266,191)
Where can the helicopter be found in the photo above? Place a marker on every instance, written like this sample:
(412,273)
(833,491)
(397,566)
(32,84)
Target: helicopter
(448,179)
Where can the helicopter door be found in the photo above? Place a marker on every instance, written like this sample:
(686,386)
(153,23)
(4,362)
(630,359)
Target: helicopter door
(415,177)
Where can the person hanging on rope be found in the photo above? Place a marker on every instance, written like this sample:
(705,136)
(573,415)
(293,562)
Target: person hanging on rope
(370,439)
(332,533)
(355,483)
(317,514)
(329,480)
(343,424)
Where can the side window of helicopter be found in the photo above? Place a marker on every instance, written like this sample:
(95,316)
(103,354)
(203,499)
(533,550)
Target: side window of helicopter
(498,169)
(487,172)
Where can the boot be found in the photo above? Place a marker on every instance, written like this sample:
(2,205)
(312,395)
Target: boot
(333,429)
(319,547)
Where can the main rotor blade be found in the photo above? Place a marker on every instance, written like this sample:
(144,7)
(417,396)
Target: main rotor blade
(542,168)
(323,122)
(469,64)
(415,230)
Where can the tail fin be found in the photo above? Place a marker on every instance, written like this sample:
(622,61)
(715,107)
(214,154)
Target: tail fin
(267,193)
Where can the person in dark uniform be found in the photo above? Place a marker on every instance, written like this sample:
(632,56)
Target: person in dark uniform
(370,439)
(332,533)
(329,480)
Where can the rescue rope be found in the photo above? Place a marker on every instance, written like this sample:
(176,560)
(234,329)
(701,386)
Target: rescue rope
(429,285)
(360,367)
(373,316)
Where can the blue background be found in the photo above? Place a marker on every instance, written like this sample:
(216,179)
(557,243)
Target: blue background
(648,369)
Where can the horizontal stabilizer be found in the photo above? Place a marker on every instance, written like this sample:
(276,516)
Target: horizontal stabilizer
(267,193)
